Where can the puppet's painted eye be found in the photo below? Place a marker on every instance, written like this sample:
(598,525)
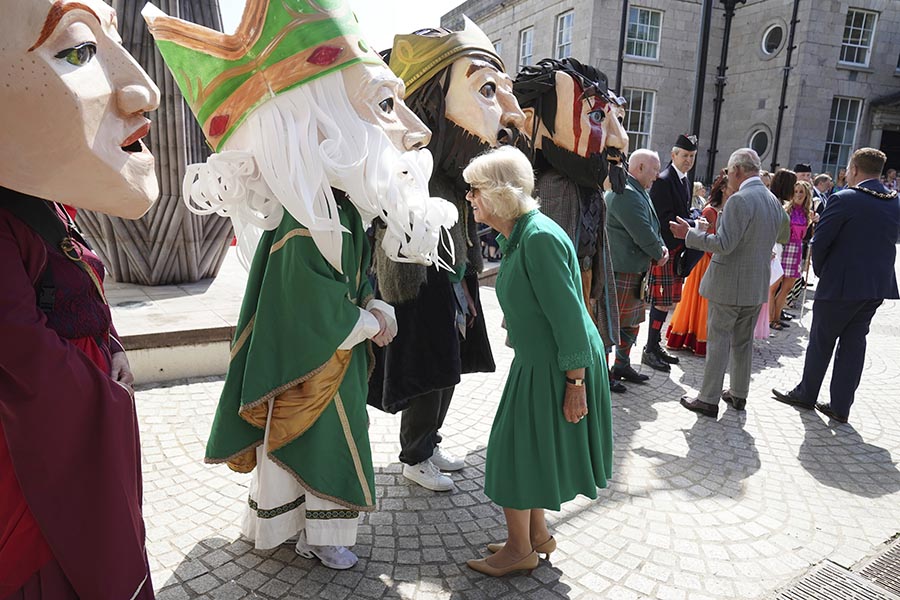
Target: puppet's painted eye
(387,105)
(488,90)
(596,116)
(80,55)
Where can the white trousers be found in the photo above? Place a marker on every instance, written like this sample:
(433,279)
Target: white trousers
(279,508)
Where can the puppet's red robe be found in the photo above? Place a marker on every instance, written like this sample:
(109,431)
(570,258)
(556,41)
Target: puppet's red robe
(70,478)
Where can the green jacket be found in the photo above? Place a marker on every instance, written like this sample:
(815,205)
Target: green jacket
(633,229)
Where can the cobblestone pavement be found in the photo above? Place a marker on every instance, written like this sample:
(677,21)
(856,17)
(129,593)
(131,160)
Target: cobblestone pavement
(732,508)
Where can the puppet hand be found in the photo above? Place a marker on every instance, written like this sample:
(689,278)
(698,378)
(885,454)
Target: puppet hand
(121,369)
(385,332)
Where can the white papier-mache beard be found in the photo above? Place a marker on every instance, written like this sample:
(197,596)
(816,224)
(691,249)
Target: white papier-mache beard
(289,154)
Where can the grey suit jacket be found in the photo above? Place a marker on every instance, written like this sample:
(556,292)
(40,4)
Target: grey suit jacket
(741,247)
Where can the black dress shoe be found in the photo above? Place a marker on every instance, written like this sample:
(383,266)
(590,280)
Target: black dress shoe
(735,402)
(707,410)
(654,362)
(785,324)
(826,410)
(617,386)
(627,373)
(786,316)
(790,398)
(664,356)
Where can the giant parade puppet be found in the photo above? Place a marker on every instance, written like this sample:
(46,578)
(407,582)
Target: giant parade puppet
(456,84)
(312,141)
(578,146)
(72,104)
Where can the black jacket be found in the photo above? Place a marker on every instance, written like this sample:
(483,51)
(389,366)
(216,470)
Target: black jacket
(670,199)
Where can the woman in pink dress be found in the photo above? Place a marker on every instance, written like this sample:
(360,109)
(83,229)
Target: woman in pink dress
(800,211)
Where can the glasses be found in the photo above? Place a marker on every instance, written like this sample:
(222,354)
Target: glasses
(472,190)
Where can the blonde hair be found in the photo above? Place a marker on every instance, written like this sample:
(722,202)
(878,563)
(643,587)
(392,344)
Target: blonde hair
(807,199)
(505,178)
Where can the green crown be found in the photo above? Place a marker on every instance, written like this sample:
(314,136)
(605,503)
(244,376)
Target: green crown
(278,45)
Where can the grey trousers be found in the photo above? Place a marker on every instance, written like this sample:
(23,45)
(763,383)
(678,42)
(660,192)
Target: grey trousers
(729,330)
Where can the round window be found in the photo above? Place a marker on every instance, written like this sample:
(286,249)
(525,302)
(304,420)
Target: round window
(759,141)
(772,38)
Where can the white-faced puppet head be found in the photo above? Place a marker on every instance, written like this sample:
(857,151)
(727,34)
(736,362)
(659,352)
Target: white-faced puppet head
(72,108)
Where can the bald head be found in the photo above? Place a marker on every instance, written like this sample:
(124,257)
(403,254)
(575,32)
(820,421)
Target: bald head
(643,165)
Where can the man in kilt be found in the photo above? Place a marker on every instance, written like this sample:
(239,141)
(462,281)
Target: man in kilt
(671,196)
(635,243)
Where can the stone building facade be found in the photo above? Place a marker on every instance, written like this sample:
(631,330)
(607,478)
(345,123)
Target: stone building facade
(843,87)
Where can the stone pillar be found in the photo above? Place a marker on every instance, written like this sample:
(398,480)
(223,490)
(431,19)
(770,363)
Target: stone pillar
(169,244)
(875,138)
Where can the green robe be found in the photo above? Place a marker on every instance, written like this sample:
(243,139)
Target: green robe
(297,310)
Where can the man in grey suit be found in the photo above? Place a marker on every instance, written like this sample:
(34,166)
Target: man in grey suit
(736,282)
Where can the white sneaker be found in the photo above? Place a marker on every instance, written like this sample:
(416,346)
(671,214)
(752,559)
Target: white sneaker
(333,557)
(428,476)
(445,461)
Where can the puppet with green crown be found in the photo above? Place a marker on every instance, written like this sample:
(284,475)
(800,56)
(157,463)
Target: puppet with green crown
(312,141)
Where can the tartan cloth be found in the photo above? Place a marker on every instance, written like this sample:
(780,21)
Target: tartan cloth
(791,259)
(632,312)
(665,286)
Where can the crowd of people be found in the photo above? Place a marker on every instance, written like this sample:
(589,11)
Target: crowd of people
(339,315)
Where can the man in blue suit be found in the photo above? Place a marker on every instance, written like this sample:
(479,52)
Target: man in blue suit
(853,253)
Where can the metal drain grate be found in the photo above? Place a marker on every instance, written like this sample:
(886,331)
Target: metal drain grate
(885,570)
(831,582)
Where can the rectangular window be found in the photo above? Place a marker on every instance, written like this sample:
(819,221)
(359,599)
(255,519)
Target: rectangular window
(642,39)
(841,133)
(859,30)
(564,24)
(526,47)
(498,47)
(638,116)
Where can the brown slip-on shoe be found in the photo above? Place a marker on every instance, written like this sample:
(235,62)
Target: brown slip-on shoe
(735,402)
(707,410)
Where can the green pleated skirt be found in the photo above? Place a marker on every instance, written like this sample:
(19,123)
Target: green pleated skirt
(537,459)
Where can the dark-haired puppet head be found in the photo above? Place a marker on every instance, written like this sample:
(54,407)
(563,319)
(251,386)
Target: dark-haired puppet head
(574,120)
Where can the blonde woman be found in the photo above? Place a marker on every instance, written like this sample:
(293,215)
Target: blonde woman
(552,435)
(799,209)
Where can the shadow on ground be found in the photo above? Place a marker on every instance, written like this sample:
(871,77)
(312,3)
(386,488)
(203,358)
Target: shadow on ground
(837,457)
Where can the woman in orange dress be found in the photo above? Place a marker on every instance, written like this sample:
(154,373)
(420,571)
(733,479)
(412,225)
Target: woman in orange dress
(687,329)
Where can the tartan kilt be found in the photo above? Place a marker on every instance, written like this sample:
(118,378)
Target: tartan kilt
(665,286)
(632,310)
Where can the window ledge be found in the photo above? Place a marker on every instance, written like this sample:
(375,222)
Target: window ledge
(854,67)
(640,60)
